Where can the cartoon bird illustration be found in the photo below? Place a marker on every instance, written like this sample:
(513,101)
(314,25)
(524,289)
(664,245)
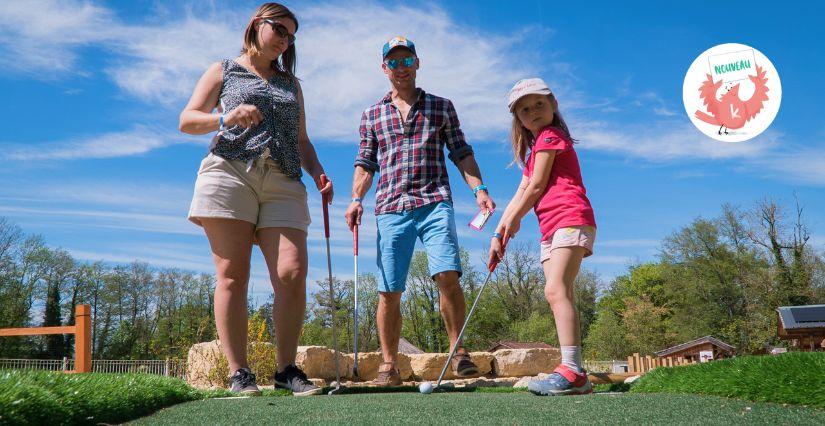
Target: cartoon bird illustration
(730,112)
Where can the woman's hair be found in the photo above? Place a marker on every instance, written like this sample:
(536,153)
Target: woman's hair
(522,139)
(285,65)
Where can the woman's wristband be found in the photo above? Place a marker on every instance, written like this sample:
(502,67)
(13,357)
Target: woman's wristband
(479,188)
(221,122)
(497,235)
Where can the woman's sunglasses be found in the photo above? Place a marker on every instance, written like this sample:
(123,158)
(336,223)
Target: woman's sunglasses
(394,63)
(281,31)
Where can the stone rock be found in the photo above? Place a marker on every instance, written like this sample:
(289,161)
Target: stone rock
(368,363)
(428,366)
(525,362)
(203,358)
(206,366)
(318,362)
(631,379)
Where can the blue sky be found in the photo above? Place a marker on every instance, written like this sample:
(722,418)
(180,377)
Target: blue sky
(93,160)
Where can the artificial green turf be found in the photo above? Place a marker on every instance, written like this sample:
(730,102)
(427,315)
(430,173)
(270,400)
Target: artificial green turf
(483,408)
(43,397)
(792,378)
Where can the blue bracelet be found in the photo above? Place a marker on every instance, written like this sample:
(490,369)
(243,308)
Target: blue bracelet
(221,125)
(357,200)
(497,235)
(479,188)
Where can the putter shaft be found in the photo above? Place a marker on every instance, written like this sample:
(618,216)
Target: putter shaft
(463,327)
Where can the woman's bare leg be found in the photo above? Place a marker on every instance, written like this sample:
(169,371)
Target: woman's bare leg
(285,251)
(231,242)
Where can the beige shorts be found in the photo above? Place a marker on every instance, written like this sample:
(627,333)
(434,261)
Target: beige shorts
(572,236)
(257,192)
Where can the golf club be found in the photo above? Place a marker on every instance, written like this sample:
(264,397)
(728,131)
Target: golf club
(333,307)
(490,268)
(355,313)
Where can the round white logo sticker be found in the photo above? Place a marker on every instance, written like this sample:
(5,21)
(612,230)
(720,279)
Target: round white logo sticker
(732,92)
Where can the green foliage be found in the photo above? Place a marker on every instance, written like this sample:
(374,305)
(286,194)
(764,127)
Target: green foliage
(792,378)
(723,276)
(538,327)
(36,397)
(607,338)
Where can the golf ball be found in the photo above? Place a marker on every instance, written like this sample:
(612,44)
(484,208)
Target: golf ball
(425,388)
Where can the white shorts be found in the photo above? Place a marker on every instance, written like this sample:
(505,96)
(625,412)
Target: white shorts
(571,236)
(258,193)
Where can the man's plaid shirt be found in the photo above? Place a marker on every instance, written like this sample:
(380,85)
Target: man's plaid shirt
(410,156)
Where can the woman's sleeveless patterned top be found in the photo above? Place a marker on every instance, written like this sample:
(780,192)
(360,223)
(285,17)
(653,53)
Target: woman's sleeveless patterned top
(278,103)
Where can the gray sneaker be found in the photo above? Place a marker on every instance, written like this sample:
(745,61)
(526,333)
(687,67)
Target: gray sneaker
(243,382)
(563,381)
(294,379)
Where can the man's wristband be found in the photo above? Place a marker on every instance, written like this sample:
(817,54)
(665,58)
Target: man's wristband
(479,188)
(357,200)
(497,235)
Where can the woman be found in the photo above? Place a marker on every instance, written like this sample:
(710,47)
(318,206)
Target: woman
(249,188)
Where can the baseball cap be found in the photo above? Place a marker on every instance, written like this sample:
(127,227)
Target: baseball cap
(398,41)
(524,87)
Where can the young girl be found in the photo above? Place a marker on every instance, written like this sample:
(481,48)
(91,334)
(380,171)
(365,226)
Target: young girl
(552,186)
(249,188)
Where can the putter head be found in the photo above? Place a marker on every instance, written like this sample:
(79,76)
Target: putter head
(337,391)
(444,387)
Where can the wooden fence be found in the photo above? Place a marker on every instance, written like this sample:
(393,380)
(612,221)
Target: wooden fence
(642,364)
(82,330)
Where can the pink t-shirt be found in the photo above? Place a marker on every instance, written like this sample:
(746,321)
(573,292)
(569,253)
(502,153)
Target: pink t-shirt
(564,201)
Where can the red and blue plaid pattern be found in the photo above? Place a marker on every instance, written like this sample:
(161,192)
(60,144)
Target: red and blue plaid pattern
(410,156)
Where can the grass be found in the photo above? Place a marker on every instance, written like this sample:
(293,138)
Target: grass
(793,378)
(482,407)
(661,396)
(43,397)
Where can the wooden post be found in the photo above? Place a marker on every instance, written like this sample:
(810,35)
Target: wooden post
(637,361)
(82,339)
(630,367)
(648,363)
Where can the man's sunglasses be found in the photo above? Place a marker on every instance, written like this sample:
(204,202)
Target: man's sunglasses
(395,63)
(282,31)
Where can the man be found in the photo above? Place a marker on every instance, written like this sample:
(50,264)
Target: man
(403,137)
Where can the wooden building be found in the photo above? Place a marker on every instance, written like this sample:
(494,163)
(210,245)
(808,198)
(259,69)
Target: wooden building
(519,345)
(702,349)
(803,326)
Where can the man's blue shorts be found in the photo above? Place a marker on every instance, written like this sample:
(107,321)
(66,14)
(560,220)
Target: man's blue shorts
(434,224)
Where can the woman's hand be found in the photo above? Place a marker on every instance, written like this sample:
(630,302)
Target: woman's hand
(244,115)
(324,189)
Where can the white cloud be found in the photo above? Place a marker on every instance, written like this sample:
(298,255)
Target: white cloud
(629,243)
(667,141)
(160,62)
(343,75)
(138,140)
(148,222)
(42,36)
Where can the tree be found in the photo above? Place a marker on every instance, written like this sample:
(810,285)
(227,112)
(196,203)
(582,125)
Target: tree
(607,338)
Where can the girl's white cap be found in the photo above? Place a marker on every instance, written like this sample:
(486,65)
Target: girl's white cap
(524,87)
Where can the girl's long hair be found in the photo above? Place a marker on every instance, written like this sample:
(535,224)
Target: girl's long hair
(285,64)
(522,139)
